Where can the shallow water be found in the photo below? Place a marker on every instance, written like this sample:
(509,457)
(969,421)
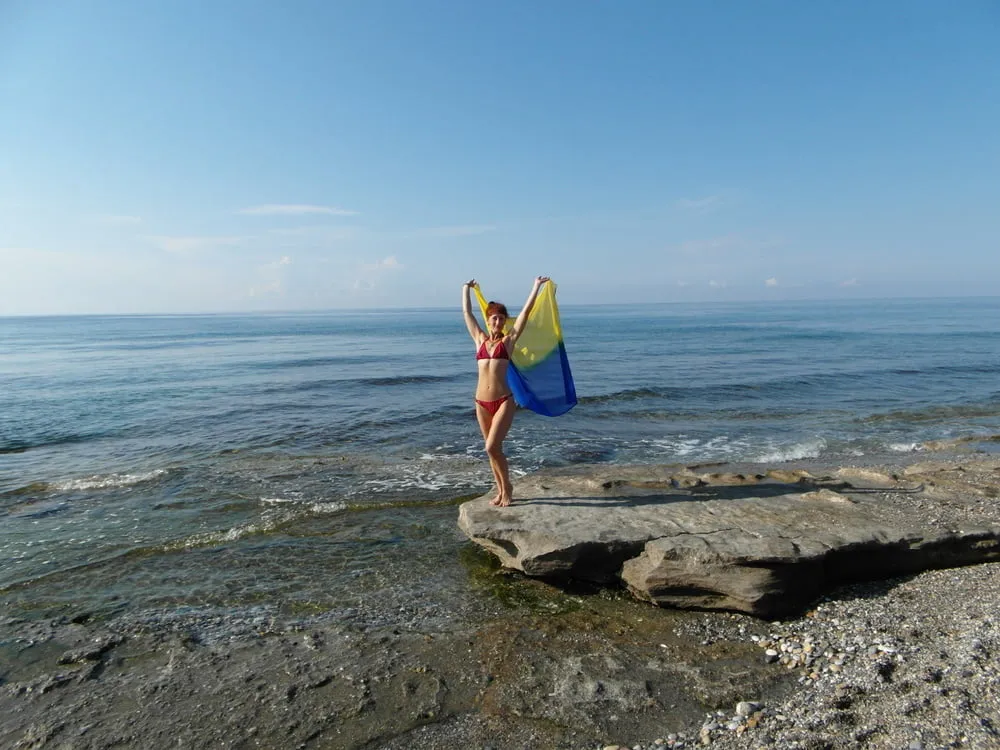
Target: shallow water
(296,464)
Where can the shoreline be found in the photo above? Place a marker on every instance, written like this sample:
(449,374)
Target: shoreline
(906,662)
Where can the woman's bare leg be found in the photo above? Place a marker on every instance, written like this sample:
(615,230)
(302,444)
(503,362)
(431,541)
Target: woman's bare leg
(499,428)
(485,420)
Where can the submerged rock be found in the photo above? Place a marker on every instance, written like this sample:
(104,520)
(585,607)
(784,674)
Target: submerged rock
(734,541)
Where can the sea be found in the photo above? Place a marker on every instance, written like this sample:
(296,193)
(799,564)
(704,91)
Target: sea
(247,469)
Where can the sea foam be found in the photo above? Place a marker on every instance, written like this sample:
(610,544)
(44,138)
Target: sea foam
(794,452)
(107,481)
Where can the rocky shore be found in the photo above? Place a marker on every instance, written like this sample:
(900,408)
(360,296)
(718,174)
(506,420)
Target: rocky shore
(761,542)
(905,662)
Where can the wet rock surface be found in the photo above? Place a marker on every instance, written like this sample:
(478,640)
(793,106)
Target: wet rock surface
(564,672)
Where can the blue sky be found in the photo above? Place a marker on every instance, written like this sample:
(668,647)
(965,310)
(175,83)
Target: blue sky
(179,156)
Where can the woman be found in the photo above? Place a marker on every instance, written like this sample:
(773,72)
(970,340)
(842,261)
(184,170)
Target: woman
(494,402)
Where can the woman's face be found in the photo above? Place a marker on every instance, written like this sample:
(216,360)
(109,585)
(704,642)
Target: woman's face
(496,322)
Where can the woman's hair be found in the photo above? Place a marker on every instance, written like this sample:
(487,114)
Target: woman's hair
(497,307)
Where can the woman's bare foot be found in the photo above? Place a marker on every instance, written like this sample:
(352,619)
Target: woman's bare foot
(504,501)
(498,500)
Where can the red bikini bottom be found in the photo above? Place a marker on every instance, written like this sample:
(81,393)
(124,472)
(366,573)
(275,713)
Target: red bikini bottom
(493,406)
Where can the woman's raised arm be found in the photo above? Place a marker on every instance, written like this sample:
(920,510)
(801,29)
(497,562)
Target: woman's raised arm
(470,320)
(522,317)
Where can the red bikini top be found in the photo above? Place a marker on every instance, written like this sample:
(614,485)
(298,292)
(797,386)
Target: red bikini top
(499,352)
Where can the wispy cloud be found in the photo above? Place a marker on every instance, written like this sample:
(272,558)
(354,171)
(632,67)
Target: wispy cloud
(386,264)
(464,230)
(116,220)
(295,209)
(699,205)
(193,244)
(771,281)
(850,282)
(717,284)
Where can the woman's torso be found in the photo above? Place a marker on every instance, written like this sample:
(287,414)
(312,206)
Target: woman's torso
(492,369)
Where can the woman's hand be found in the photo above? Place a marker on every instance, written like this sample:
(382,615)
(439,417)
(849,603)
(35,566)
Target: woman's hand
(539,280)
(471,283)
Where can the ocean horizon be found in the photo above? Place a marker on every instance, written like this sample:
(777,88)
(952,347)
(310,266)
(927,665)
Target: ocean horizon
(451,307)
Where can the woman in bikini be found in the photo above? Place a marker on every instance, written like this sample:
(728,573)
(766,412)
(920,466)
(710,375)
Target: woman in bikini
(494,402)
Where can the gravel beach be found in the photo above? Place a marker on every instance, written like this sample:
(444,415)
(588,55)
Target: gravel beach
(905,663)
(896,664)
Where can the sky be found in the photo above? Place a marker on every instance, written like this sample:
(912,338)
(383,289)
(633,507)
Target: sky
(175,156)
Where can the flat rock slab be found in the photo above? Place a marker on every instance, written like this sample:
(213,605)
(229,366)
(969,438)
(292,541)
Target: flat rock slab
(763,542)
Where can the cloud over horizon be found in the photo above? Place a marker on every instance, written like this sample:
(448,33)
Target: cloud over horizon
(271,278)
(386,264)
